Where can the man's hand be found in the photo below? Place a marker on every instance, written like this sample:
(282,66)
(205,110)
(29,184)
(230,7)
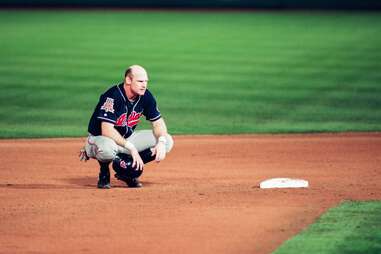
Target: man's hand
(137,160)
(160,131)
(160,151)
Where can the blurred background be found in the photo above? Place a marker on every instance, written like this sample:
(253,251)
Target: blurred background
(274,4)
(216,67)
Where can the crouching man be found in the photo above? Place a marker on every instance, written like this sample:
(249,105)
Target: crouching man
(112,139)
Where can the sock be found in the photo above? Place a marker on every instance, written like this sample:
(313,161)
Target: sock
(146,155)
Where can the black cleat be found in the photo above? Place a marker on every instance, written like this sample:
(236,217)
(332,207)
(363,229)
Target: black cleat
(104,178)
(130,181)
(134,183)
(102,185)
(104,182)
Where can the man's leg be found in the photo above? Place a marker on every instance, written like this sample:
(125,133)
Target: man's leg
(104,176)
(144,141)
(122,165)
(104,150)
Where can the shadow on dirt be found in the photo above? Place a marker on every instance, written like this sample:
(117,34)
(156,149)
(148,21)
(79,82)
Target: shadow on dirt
(88,181)
(71,183)
(40,186)
(91,182)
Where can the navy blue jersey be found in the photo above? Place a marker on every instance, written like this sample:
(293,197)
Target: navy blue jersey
(114,107)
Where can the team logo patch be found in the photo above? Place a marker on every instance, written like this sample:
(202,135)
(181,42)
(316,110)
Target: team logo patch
(123,164)
(133,119)
(108,106)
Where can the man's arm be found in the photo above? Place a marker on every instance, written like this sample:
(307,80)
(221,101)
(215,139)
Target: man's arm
(160,131)
(108,130)
(159,128)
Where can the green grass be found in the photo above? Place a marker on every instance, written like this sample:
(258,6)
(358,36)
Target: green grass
(249,72)
(351,228)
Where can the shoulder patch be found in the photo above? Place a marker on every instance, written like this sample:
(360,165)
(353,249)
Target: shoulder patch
(108,106)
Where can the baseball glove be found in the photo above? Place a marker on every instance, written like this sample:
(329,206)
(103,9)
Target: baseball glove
(83,155)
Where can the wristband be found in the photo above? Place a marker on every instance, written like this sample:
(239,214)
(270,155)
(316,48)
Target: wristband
(162,139)
(129,146)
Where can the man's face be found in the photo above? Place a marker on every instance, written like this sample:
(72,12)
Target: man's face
(138,82)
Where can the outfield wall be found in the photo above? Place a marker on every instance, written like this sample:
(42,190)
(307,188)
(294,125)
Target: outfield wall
(271,4)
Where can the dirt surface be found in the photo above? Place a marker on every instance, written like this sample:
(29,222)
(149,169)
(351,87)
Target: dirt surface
(204,198)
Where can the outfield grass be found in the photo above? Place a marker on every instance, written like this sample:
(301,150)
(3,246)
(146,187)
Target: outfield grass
(352,227)
(211,72)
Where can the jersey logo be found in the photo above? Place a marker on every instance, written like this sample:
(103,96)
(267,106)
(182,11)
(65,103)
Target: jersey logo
(133,119)
(108,106)
(122,120)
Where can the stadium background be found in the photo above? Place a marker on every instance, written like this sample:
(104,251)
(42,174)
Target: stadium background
(281,4)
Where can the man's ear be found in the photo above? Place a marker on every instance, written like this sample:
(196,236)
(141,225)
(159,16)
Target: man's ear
(128,80)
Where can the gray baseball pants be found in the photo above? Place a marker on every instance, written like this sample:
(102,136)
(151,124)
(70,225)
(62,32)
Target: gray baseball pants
(104,149)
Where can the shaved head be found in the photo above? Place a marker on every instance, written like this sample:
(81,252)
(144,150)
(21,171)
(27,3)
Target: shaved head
(134,70)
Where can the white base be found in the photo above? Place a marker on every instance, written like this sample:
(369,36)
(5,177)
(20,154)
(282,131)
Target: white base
(283,183)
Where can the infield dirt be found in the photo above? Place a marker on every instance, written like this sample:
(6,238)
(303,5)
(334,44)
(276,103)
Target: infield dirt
(204,198)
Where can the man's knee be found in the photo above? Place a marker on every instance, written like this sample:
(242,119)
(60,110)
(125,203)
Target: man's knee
(102,148)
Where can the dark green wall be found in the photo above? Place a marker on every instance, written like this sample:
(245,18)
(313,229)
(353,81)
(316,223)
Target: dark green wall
(282,4)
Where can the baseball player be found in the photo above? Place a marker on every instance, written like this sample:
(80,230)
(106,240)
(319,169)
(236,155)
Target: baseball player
(112,138)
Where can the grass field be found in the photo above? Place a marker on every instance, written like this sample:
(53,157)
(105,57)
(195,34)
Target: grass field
(352,227)
(211,72)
